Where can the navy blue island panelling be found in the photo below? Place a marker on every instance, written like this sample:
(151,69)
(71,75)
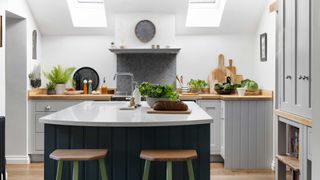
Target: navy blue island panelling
(124,144)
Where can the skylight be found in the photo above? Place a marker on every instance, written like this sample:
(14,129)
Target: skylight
(87,13)
(205,13)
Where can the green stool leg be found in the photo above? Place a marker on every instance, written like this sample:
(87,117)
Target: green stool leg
(103,170)
(169,170)
(146,170)
(75,175)
(190,170)
(59,170)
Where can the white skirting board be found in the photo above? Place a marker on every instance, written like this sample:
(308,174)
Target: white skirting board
(18,159)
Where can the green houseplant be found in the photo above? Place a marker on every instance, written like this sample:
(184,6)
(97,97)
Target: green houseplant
(51,88)
(59,76)
(156,92)
(197,86)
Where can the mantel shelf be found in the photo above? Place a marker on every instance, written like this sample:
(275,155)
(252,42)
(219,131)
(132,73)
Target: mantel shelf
(146,51)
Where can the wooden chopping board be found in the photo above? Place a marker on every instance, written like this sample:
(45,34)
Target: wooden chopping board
(152,111)
(219,74)
(232,68)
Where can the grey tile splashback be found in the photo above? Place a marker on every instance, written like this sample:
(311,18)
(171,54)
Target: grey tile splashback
(154,68)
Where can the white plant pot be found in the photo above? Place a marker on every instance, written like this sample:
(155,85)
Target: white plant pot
(241,91)
(60,88)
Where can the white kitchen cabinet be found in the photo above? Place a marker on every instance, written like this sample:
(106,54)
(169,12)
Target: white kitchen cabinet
(212,107)
(294,57)
(38,109)
(222,130)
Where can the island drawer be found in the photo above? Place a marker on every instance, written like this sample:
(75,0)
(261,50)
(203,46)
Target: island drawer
(52,106)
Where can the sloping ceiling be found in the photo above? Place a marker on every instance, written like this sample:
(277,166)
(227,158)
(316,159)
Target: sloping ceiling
(53,17)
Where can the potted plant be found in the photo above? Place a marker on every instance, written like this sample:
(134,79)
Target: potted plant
(34,81)
(156,92)
(51,88)
(59,76)
(197,86)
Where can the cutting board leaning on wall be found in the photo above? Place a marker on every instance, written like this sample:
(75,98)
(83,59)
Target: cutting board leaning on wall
(219,74)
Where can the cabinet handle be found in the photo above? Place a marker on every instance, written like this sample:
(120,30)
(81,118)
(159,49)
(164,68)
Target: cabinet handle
(300,77)
(47,108)
(306,78)
(288,77)
(211,107)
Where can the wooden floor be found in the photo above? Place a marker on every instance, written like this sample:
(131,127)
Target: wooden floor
(35,172)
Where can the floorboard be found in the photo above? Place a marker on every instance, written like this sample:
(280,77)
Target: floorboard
(34,171)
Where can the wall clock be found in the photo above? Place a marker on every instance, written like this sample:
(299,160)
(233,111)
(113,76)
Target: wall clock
(145,31)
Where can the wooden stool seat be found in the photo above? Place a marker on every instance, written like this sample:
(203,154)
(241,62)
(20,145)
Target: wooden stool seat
(78,154)
(168,155)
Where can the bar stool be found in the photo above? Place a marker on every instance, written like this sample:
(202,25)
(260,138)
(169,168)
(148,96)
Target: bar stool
(77,155)
(168,156)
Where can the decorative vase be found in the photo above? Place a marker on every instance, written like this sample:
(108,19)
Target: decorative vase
(152,101)
(51,92)
(60,88)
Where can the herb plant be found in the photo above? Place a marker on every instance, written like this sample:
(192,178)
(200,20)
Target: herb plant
(51,86)
(197,85)
(158,91)
(59,75)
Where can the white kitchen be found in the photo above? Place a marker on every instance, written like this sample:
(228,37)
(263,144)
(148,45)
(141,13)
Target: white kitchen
(148,89)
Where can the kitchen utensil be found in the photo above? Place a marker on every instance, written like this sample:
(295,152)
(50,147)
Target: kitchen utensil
(151,111)
(232,68)
(238,79)
(86,73)
(180,83)
(219,73)
(181,79)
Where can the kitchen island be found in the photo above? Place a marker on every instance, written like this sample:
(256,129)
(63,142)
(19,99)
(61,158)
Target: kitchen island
(125,133)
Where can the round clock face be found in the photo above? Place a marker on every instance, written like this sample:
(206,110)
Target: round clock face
(145,31)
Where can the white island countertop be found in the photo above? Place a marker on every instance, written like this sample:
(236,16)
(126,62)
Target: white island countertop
(108,114)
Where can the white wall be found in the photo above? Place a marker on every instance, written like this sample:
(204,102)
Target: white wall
(2,60)
(80,51)
(199,54)
(265,72)
(125,29)
(315,88)
(20,8)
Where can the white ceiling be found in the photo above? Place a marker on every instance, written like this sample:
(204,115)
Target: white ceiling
(53,17)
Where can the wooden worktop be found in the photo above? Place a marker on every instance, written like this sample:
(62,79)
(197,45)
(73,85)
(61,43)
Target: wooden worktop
(40,94)
(265,96)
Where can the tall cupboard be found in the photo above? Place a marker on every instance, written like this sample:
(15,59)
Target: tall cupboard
(294,95)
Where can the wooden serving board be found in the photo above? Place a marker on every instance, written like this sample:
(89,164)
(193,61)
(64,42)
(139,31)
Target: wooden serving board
(151,111)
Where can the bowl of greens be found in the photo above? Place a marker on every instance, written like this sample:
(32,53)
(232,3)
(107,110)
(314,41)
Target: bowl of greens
(226,88)
(157,92)
(197,86)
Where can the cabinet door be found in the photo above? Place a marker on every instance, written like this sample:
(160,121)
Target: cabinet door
(288,56)
(302,98)
(222,130)
(213,109)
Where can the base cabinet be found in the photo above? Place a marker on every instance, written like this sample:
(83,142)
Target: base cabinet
(247,134)
(241,132)
(37,110)
(213,109)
